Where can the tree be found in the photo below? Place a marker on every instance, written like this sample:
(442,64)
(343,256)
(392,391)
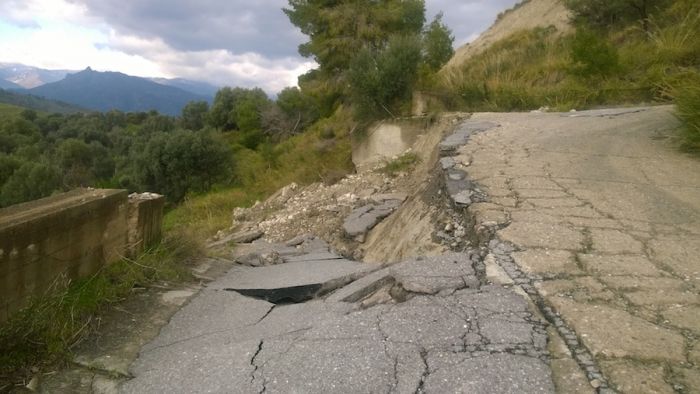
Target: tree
(381,79)
(338,30)
(30,182)
(8,165)
(238,109)
(75,159)
(194,115)
(181,162)
(437,44)
(300,108)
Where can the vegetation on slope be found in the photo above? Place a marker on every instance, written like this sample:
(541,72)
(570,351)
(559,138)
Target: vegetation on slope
(37,103)
(44,333)
(617,55)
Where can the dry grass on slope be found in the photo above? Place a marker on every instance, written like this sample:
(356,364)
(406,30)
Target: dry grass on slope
(526,15)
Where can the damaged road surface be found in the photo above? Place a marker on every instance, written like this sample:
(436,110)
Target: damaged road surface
(425,325)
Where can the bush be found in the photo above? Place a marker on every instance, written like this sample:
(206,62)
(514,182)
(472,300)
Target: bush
(382,80)
(592,55)
(181,162)
(30,182)
(687,97)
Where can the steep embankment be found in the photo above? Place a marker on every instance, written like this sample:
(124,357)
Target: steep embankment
(527,15)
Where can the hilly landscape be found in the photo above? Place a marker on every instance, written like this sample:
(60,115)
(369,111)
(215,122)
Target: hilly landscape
(28,77)
(102,91)
(28,101)
(106,91)
(9,85)
(212,157)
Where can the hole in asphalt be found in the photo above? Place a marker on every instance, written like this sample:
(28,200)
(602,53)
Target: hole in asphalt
(283,295)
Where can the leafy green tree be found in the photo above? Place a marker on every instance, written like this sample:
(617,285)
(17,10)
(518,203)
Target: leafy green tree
(75,159)
(238,109)
(30,182)
(194,115)
(181,162)
(29,114)
(8,165)
(381,79)
(299,107)
(437,44)
(338,30)
(222,107)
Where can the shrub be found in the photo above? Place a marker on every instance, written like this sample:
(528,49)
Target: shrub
(687,97)
(592,55)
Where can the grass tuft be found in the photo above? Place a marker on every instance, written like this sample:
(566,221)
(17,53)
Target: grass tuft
(44,332)
(401,164)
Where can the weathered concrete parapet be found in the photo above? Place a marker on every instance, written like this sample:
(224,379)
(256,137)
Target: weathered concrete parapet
(69,236)
(145,221)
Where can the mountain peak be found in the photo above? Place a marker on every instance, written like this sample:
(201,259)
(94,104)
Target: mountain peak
(105,91)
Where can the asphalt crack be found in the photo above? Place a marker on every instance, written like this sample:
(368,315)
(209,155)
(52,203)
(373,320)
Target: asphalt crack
(256,367)
(426,372)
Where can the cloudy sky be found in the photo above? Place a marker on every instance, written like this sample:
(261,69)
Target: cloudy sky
(224,42)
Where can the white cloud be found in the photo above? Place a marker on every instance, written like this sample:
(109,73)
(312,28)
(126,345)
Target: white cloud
(225,42)
(66,46)
(220,67)
(29,12)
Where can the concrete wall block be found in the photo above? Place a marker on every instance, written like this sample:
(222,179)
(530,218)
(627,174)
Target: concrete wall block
(145,221)
(49,242)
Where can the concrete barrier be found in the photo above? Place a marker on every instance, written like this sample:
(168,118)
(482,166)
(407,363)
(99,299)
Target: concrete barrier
(67,237)
(384,141)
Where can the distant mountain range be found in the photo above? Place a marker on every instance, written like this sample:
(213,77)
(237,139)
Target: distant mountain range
(30,77)
(9,85)
(104,91)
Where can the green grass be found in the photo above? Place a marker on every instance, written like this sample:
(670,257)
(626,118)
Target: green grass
(537,68)
(687,97)
(44,332)
(401,164)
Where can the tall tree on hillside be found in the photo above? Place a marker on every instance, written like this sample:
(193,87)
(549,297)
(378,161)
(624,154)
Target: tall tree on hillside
(238,109)
(349,37)
(382,78)
(338,30)
(194,115)
(437,44)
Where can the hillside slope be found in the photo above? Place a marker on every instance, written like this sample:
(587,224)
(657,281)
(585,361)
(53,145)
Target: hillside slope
(28,76)
(4,84)
(20,99)
(527,15)
(104,91)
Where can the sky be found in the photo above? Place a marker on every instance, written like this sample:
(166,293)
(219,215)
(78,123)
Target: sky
(224,42)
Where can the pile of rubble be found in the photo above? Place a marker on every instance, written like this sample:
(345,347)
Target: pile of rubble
(341,213)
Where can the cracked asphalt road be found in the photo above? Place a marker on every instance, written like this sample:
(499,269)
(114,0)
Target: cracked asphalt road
(444,332)
(583,277)
(604,216)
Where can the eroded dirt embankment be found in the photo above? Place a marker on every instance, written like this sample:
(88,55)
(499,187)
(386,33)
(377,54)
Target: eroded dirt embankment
(321,209)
